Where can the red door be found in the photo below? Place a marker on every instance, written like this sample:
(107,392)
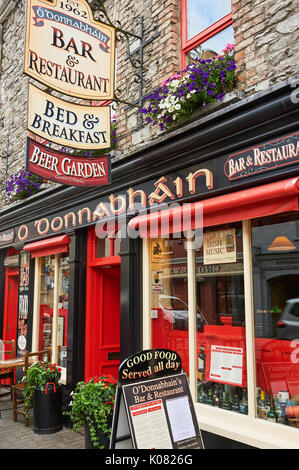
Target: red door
(102,346)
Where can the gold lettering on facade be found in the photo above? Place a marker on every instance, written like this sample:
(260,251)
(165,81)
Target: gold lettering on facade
(132,194)
(191,178)
(83,211)
(119,201)
(66,219)
(160,186)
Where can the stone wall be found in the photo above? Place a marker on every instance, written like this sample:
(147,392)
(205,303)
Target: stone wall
(13,94)
(161,59)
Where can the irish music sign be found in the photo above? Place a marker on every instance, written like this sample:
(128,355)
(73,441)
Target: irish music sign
(68,51)
(68,124)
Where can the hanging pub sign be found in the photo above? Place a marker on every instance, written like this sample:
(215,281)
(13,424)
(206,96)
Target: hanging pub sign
(79,170)
(153,405)
(68,51)
(68,124)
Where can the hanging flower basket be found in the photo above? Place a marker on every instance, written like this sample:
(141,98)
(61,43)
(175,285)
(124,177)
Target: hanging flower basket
(22,184)
(202,82)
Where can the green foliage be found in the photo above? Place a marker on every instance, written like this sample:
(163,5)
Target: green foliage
(92,404)
(38,375)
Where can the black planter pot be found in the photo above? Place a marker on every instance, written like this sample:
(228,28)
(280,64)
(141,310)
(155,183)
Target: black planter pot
(104,439)
(47,415)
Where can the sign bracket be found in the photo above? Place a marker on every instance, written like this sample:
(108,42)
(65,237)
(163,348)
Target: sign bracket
(6,155)
(138,63)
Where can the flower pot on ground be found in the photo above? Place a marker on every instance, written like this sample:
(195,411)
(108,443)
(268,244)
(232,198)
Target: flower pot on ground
(92,407)
(43,393)
(47,415)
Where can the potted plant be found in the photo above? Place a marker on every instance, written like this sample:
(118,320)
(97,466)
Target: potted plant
(92,407)
(202,82)
(42,392)
(22,184)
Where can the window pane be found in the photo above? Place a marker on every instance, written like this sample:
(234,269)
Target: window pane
(221,347)
(63,310)
(204,13)
(212,46)
(46,301)
(169,297)
(103,247)
(275,249)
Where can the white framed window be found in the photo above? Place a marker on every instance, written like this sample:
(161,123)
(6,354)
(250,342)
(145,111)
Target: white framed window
(50,309)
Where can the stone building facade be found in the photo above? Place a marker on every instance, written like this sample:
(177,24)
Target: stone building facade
(266,53)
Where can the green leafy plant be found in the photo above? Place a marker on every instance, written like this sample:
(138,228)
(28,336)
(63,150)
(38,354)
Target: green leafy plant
(92,405)
(38,375)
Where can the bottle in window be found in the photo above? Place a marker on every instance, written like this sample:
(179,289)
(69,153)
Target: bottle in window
(261,411)
(209,400)
(202,397)
(267,402)
(226,403)
(236,404)
(272,415)
(216,398)
(279,411)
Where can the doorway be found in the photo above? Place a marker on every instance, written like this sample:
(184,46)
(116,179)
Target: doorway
(102,339)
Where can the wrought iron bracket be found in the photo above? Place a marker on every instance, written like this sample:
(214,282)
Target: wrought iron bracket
(136,61)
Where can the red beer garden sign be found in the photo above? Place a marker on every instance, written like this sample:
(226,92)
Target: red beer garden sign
(66,169)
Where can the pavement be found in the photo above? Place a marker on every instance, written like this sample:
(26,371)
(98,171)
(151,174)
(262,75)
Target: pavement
(15,435)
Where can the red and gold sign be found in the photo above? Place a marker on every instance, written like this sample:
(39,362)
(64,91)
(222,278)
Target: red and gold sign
(66,168)
(68,51)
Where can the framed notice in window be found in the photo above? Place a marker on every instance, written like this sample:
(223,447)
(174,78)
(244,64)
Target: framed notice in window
(219,247)
(226,365)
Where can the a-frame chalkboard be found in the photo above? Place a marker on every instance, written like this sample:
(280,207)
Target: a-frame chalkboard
(153,405)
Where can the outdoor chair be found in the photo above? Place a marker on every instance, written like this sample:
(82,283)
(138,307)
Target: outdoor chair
(18,389)
(7,351)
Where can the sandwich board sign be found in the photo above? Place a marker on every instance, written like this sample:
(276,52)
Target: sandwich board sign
(153,405)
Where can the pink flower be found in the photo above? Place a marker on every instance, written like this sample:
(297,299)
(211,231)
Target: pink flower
(228,48)
(173,77)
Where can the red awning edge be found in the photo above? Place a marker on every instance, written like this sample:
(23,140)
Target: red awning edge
(50,246)
(252,203)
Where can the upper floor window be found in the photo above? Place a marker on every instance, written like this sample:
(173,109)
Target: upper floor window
(206,28)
